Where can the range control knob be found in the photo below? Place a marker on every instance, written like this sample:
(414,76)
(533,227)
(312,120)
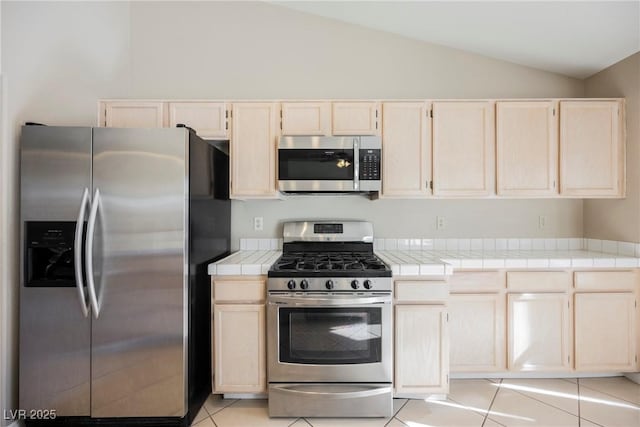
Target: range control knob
(355,284)
(329,284)
(291,284)
(304,284)
(367,284)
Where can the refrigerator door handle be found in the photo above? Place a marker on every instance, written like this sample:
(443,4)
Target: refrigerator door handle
(77,253)
(91,224)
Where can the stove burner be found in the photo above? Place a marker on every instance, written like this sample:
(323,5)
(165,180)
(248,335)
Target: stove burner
(316,261)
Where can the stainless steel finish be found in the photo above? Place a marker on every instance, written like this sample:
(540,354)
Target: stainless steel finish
(331,142)
(316,185)
(139,364)
(318,142)
(353,231)
(91,285)
(365,372)
(340,284)
(356,167)
(336,400)
(50,322)
(327,300)
(77,253)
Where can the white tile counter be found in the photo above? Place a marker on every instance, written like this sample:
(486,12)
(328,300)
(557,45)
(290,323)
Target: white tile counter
(245,263)
(440,262)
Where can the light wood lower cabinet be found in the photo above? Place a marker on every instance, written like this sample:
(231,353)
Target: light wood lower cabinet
(605,331)
(477,330)
(421,350)
(239,348)
(538,332)
(239,336)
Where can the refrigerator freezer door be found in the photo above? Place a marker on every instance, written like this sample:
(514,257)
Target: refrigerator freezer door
(54,333)
(139,262)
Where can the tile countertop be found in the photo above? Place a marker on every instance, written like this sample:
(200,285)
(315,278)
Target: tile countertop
(439,262)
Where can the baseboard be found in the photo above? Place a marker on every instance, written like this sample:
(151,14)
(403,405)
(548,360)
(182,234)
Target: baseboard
(634,376)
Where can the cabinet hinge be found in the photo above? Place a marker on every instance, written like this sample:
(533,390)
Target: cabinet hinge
(376,125)
(280,124)
(431,113)
(226,125)
(636,358)
(447,378)
(431,184)
(280,113)
(376,113)
(569,359)
(554,111)
(226,114)
(447,317)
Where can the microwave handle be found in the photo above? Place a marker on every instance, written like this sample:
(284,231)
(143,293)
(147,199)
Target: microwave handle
(356,163)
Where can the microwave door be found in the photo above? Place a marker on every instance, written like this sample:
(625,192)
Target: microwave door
(316,169)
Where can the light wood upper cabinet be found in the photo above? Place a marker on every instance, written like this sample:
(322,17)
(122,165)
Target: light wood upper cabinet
(421,350)
(208,119)
(592,152)
(253,150)
(463,148)
(406,149)
(605,332)
(477,329)
(134,114)
(538,332)
(306,118)
(527,148)
(355,118)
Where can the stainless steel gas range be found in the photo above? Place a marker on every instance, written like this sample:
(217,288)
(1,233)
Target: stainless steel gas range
(329,323)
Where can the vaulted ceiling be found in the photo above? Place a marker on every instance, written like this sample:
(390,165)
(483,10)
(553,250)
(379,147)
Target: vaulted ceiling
(574,38)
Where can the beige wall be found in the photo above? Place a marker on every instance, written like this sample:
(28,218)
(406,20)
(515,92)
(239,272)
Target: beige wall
(619,219)
(59,58)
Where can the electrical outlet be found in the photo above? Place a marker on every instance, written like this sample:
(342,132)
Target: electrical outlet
(440,223)
(542,221)
(258,223)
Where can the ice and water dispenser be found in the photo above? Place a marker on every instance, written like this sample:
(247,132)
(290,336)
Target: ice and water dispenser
(49,254)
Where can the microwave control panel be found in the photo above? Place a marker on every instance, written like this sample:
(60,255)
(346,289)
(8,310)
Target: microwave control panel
(369,164)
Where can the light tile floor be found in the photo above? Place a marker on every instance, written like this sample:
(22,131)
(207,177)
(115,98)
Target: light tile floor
(586,402)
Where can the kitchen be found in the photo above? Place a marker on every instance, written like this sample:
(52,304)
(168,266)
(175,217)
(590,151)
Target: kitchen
(144,52)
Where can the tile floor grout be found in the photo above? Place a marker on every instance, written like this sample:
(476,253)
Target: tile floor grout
(599,407)
(491,404)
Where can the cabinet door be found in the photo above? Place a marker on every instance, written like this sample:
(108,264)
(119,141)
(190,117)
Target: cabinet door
(355,118)
(306,118)
(239,351)
(134,114)
(538,338)
(527,148)
(406,151)
(477,328)
(253,150)
(422,350)
(208,119)
(591,149)
(605,332)
(463,147)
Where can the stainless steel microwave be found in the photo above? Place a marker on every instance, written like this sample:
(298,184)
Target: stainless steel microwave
(329,164)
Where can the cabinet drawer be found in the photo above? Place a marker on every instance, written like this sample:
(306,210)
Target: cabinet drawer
(421,291)
(606,280)
(476,281)
(239,290)
(548,281)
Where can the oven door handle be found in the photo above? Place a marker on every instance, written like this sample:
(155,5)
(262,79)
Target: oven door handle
(296,389)
(333,301)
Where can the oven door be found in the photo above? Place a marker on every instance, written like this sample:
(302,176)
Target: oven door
(317,169)
(329,338)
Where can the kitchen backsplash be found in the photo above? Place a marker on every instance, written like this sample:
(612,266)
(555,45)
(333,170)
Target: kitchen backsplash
(498,244)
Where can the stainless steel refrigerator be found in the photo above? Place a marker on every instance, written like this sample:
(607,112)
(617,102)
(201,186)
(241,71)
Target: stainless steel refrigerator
(118,226)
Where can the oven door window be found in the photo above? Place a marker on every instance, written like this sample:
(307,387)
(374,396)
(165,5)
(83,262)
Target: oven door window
(330,336)
(315,164)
